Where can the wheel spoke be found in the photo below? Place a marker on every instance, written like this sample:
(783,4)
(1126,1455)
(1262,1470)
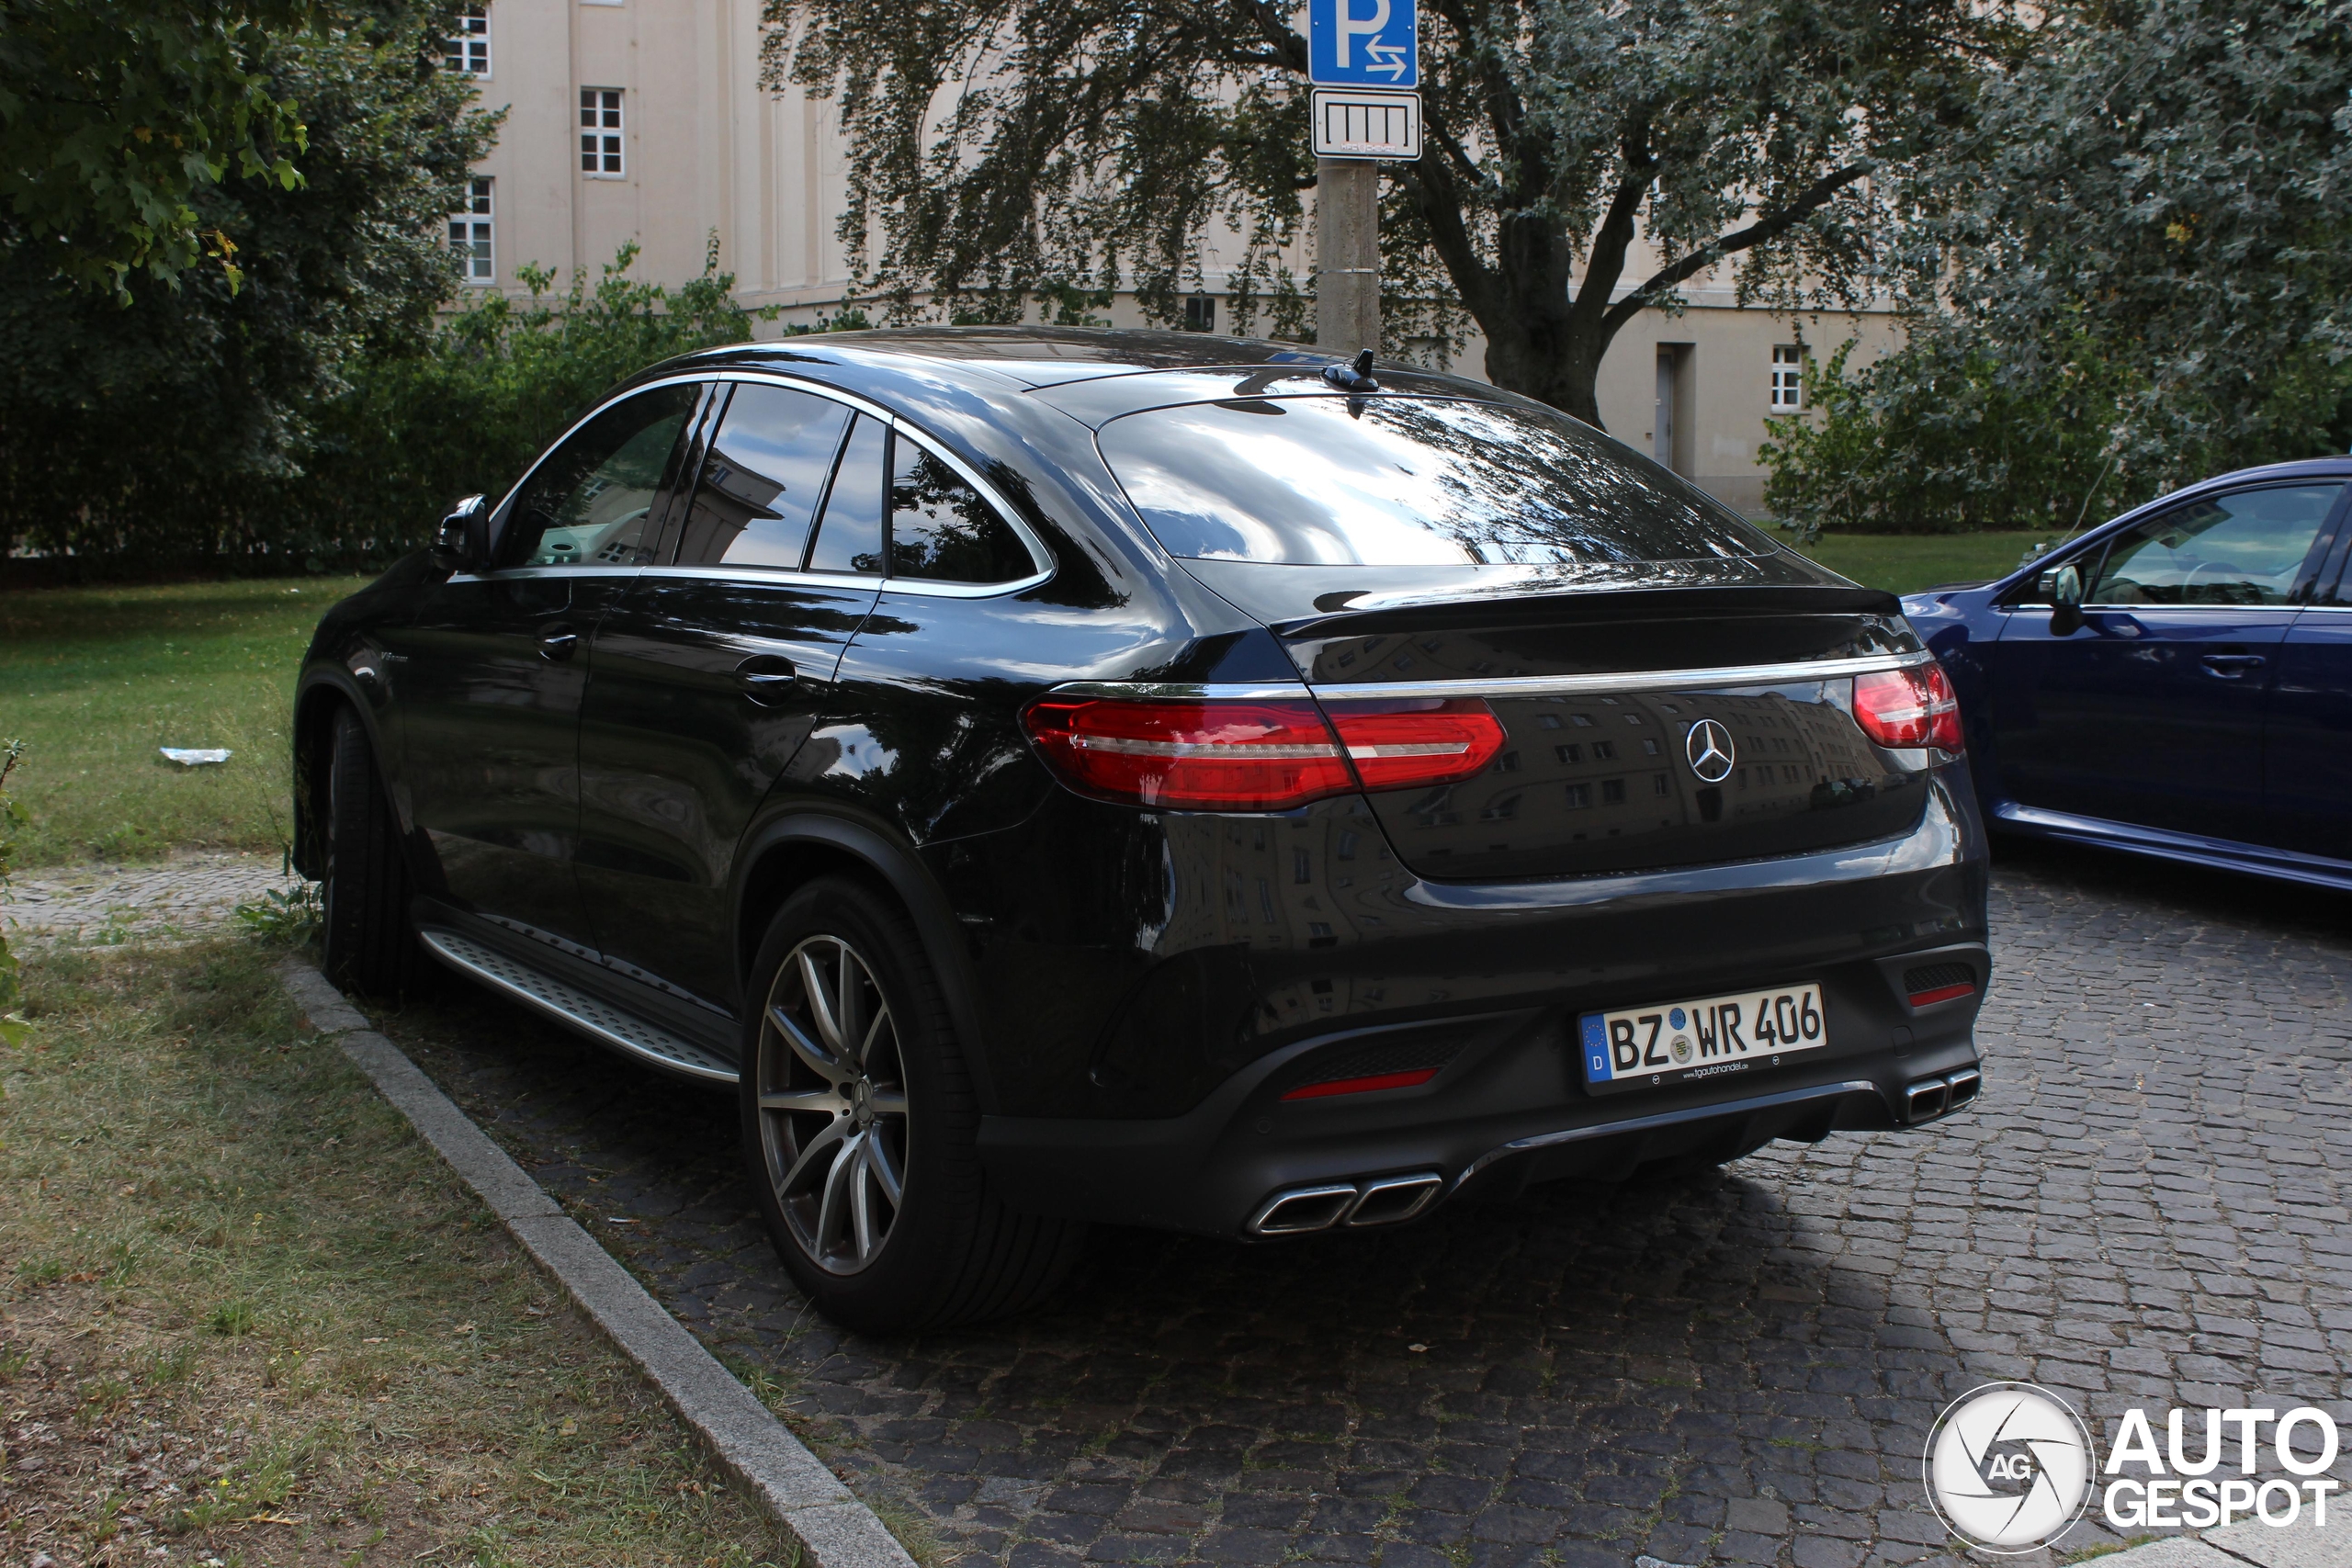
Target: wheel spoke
(889,1102)
(872,1034)
(813,1151)
(832,1212)
(820,1006)
(849,1007)
(826,1099)
(861,1199)
(886,1171)
(818,1060)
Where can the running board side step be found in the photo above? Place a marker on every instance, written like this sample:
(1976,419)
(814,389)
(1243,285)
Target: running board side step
(576,1009)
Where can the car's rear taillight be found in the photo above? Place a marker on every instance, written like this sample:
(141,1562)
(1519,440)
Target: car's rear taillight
(1411,744)
(1214,754)
(1191,755)
(1912,706)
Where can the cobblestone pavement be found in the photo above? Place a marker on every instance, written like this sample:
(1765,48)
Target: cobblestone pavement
(103,905)
(2148,1208)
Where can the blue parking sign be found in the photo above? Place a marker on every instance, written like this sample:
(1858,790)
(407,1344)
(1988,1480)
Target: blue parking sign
(1364,43)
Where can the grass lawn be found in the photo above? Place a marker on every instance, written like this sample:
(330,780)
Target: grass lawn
(247,1316)
(95,679)
(1904,563)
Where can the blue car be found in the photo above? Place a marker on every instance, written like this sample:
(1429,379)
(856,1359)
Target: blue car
(2177,683)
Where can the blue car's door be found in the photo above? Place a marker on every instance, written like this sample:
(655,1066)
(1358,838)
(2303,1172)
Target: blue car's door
(2151,712)
(2307,764)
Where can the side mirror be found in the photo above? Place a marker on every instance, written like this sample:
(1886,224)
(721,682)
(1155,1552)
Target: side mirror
(2065,602)
(463,542)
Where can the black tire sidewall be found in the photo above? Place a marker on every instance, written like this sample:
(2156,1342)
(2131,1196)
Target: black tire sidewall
(924,1255)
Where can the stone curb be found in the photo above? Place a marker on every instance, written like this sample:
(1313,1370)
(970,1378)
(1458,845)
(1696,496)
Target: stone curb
(2299,1545)
(831,1526)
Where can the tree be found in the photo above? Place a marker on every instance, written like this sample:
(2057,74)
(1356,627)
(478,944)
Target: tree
(2142,275)
(114,117)
(166,428)
(1004,147)
(492,386)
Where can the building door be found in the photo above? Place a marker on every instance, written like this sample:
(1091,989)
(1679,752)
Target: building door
(1670,433)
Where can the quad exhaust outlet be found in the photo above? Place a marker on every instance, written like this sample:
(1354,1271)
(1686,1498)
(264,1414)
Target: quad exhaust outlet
(1378,1201)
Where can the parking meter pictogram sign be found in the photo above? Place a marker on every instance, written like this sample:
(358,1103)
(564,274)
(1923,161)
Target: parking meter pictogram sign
(1364,43)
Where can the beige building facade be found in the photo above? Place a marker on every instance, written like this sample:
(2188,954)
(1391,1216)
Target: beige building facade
(644,121)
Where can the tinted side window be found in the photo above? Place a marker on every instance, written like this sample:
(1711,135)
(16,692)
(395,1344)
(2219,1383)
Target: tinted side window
(2242,548)
(941,529)
(850,539)
(589,502)
(760,485)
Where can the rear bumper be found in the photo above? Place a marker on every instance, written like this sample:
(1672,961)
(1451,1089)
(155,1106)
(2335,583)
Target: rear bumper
(1222,1176)
(1878,926)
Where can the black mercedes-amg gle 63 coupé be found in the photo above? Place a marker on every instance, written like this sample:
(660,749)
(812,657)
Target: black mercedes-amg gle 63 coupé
(1145,778)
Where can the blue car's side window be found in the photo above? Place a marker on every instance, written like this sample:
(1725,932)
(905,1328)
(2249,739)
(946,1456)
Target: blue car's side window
(2244,549)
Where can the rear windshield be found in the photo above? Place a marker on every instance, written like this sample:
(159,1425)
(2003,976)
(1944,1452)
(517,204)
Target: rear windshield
(1405,482)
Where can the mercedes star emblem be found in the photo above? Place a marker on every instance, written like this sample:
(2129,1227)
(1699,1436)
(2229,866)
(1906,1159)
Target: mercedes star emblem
(1710,749)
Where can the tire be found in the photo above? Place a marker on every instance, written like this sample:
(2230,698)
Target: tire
(370,941)
(860,1127)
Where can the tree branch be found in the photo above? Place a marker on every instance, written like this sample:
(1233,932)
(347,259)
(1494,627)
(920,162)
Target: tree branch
(1770,227)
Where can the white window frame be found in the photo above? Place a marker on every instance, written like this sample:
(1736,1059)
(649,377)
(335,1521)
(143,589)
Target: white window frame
(1788,377)
(473,234)
(604,134)
(466,51)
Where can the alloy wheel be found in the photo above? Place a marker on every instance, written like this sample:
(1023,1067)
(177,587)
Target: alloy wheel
(832,1104)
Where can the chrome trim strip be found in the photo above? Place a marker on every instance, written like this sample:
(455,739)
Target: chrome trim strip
(1668,1119)
(1182,690)
(1631,680)
(689,1061)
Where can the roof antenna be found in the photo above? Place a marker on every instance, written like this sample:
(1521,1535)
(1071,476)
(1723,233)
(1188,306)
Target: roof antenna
(1355,378)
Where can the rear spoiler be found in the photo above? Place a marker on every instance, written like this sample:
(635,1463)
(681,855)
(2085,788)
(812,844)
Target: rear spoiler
(1391,611)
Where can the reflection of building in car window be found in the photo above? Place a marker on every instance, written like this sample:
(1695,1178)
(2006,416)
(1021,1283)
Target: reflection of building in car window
(759,488)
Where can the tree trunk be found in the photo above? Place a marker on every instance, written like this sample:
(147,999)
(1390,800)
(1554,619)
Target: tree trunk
(1542,342)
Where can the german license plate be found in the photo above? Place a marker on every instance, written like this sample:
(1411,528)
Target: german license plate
(1644,1047)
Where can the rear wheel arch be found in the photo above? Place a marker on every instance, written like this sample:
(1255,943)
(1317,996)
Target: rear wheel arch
(785,854)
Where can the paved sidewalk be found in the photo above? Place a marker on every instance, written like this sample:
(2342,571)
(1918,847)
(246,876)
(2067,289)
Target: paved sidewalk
(106,905)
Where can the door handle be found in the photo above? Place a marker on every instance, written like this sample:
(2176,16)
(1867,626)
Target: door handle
(766,677)
(2230,666)
(558,643)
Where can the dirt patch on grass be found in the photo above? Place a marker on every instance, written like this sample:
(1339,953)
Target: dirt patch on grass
(245,1318)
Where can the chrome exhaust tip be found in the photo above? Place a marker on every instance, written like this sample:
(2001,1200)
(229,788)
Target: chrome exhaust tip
(1392,1200)
(1378,1201)
(1931,1097)
(1926,1101)
(1303,1209)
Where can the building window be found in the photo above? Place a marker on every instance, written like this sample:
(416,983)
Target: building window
(469,46)
(600,133)
(1199,313)
(469,234)
(1788,376)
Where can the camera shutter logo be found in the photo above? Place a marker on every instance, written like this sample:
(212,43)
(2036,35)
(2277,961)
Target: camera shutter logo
(1710,748)
(2008,1467)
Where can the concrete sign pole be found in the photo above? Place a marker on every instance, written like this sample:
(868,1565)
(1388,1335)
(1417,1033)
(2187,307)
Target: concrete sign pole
(1346,254)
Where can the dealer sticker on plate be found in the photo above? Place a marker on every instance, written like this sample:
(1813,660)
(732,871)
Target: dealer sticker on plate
(1674,1042)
